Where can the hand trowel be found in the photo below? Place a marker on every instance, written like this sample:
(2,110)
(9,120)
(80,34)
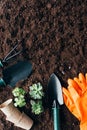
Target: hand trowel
(13,74)
(55,99)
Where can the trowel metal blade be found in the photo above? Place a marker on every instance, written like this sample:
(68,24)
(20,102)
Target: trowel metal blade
(19,71)
(55,90)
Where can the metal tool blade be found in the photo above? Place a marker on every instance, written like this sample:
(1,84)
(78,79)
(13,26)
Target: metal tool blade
(55,89)
(55,99)
(19,71)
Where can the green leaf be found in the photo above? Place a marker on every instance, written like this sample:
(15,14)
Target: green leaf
(19,99)
(37,107)
(36,91)
(20,102)
(18,91)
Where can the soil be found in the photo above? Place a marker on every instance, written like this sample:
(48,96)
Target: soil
(53,35)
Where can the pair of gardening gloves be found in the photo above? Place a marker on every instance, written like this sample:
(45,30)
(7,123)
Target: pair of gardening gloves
(75,98)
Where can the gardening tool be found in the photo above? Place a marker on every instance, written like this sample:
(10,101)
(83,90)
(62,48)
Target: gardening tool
(55,99)
(19,71)
(10,55)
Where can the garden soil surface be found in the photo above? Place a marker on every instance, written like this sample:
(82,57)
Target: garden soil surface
(53,37)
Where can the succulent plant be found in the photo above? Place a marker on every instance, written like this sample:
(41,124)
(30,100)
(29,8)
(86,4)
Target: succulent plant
(19,99)
(37,107)
(18,91)
(36,91)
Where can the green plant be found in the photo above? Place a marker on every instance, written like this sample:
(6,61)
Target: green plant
(19,99)
(37,107)
(18,91)
(19,102)
(36,91)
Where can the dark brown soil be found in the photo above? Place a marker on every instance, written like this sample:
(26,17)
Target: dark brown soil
(54,36)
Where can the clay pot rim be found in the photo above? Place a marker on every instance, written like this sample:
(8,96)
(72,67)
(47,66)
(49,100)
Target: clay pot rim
(6,103)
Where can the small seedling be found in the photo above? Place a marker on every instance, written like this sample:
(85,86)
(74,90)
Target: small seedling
(36,91)
(18,91)
(37,107)
(19,99)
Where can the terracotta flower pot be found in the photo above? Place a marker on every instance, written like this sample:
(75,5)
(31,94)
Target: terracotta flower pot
(15,116)
(11,112)
(25,122)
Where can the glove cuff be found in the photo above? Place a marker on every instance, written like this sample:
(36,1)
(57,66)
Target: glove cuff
(83,126)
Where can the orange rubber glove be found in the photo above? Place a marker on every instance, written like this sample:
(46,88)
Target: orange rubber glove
(75,98)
